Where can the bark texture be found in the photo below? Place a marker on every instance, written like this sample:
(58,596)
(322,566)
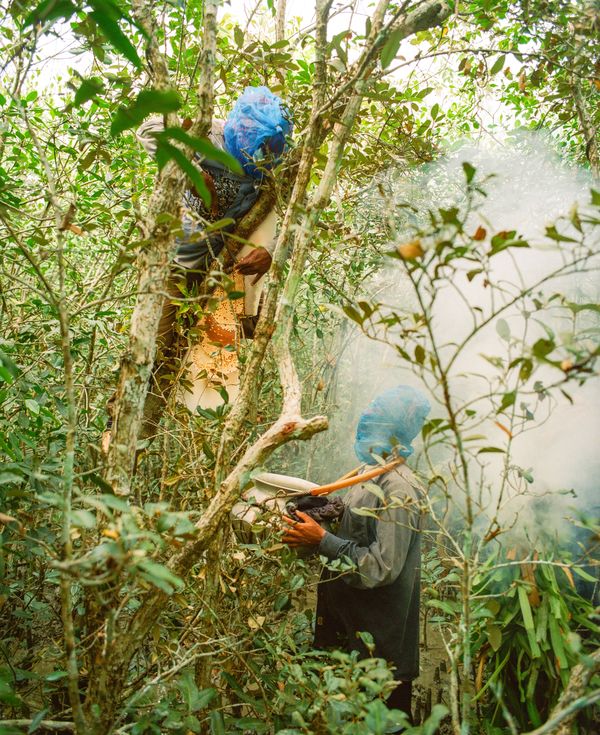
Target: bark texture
(154,260)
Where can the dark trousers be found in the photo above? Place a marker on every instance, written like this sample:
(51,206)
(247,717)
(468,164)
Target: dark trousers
(401,698)
(331,634)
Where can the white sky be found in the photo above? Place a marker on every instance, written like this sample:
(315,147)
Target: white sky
(57,57)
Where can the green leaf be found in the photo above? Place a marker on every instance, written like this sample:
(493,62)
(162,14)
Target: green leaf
(147,101)
(508,399)
(432,723)
(528,621)
(542,348)
(194,698)
(32,406)
(504,240)
(490,450)
(375,490)
(471,274)
(160,576)
(553,234)
(503,329)
(376,717)
(583,574)
(557,643)
(217,726)
(36,721)
(494,634)
(56,675)
(390,48)
(420,354)
(8,364)
(88,90)
(576,308)
(469,171)
(366,512)
(51,10)
(498,65)
(106,14)
(353,314)
(443,605)
(203,146)
(9,477)
(83,519)
(238,36)
(595,197)
(166,151)
(525,369)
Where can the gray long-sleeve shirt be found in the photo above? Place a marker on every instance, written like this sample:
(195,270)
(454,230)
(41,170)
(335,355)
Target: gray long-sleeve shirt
(380,533)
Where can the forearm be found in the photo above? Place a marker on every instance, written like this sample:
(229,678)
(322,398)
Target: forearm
(382,561)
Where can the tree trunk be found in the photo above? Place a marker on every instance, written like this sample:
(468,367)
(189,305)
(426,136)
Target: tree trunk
(592,148)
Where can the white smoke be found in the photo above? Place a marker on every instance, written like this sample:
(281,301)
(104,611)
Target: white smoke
(528,189)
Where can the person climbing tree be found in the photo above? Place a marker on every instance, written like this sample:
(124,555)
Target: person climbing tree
(255,134)
(381,596)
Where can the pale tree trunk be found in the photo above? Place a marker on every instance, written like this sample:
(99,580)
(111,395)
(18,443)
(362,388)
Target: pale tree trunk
(280,24)
(590,134)
(154,262)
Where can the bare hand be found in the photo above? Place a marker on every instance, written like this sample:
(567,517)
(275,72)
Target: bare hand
(306,532)
(255,263)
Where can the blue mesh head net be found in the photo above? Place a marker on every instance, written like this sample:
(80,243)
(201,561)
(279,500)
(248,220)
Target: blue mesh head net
(393,419)
(256,129)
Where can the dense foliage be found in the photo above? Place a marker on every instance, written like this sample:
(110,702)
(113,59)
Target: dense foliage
(229,649)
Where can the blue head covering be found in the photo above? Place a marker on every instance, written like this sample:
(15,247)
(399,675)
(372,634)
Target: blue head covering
(393,418)
(257,128)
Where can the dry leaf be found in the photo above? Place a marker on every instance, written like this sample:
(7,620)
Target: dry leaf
(569,574)
(492,534)
(110,533)
(480,234)
(254,623)
(480,670)
(8,519)
(410,250)
(528,574)
(504,429)
(567,365)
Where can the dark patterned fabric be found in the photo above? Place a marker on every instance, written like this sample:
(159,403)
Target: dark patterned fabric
(236,195)
(226,189)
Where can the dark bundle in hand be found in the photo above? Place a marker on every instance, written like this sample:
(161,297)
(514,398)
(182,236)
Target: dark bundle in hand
(319,508)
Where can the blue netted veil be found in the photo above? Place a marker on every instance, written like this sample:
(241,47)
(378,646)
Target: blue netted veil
(258,120)
(392,420)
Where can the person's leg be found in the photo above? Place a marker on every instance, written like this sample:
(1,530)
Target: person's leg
(401,698)
(329,631)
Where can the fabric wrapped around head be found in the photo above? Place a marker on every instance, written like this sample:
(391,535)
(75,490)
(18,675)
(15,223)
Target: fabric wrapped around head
(256,129)
(392,420)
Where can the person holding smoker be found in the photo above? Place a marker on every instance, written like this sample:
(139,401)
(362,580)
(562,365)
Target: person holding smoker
(381,595)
